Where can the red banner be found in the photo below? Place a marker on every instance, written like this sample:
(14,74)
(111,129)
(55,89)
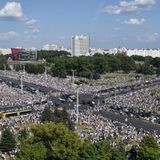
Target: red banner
(16,53)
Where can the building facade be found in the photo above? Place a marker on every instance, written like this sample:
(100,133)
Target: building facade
(20,54)
(5,51)
(80,45)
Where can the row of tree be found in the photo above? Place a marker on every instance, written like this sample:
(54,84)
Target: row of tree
(91,67)
(54,139)
(50,141)
(60,64)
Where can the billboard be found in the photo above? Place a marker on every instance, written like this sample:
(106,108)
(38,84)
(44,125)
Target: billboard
(16,53)
(28,55)
(23,55)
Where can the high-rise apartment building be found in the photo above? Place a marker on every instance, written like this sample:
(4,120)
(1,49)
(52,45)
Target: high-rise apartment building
(80,45)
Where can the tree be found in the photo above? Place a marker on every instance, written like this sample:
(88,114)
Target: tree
(8,142)
(100,65)
(87,151)
(146,67)
(148,149)
(47,115)
(156,62)
(18,67)
(50,141)
(51,55)
(59,69)
(126,63)
(138,58)
(29,151)
(36,69)
(113,63)
(62,116)
(118,153)
(158,71)
(23,134)
(58,116)
(98,151)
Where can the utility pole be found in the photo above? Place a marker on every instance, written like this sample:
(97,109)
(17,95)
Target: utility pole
(5,70)
(73,74)
(115,95)
(21,83)
(45,73)
(77,108)
(24,71)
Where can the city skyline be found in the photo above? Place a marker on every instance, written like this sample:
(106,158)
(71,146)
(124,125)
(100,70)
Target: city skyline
(110,24)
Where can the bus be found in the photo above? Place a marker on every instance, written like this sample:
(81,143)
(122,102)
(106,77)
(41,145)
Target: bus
(11,114)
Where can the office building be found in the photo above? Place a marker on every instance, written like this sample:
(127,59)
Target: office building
(80,45)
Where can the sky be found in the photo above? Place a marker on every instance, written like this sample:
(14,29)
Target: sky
(109,23)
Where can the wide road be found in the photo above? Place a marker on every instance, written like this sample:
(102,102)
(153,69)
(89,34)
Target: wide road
(138,123)
(111,91)
(148,126)
(27,84)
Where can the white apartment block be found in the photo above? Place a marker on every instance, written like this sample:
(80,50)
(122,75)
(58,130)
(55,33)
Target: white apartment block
(53,47)
(50,47)
(5,51)
(144,52)
(80,45)
(139,52)
(99,51)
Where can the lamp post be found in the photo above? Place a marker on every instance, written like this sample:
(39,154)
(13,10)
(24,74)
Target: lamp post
(77,106)
(21,83)
(24,71)
(5,70)
(45,73)
(73,74)
(115,95)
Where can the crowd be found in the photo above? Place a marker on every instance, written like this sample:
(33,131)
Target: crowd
(20,122)
(13,99)
(66,85)
(92,126)
(96,127)
(142,103)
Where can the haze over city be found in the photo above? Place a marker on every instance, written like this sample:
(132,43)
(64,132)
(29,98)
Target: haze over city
(132,23)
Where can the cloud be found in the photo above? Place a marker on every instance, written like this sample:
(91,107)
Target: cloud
(149,38)
(32,36)
(135,21)
(8,35)
(129,6)
(35,30)
(12,10)
(145,2)
(31,22)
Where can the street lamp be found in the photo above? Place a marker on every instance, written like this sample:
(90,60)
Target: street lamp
(24,71)
(73,74)
(115,95)
(77,106)
(21,83)
(5,70)
(45,73)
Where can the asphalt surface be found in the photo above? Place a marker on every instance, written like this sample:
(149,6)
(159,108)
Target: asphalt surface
(148,126)
(26,84)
